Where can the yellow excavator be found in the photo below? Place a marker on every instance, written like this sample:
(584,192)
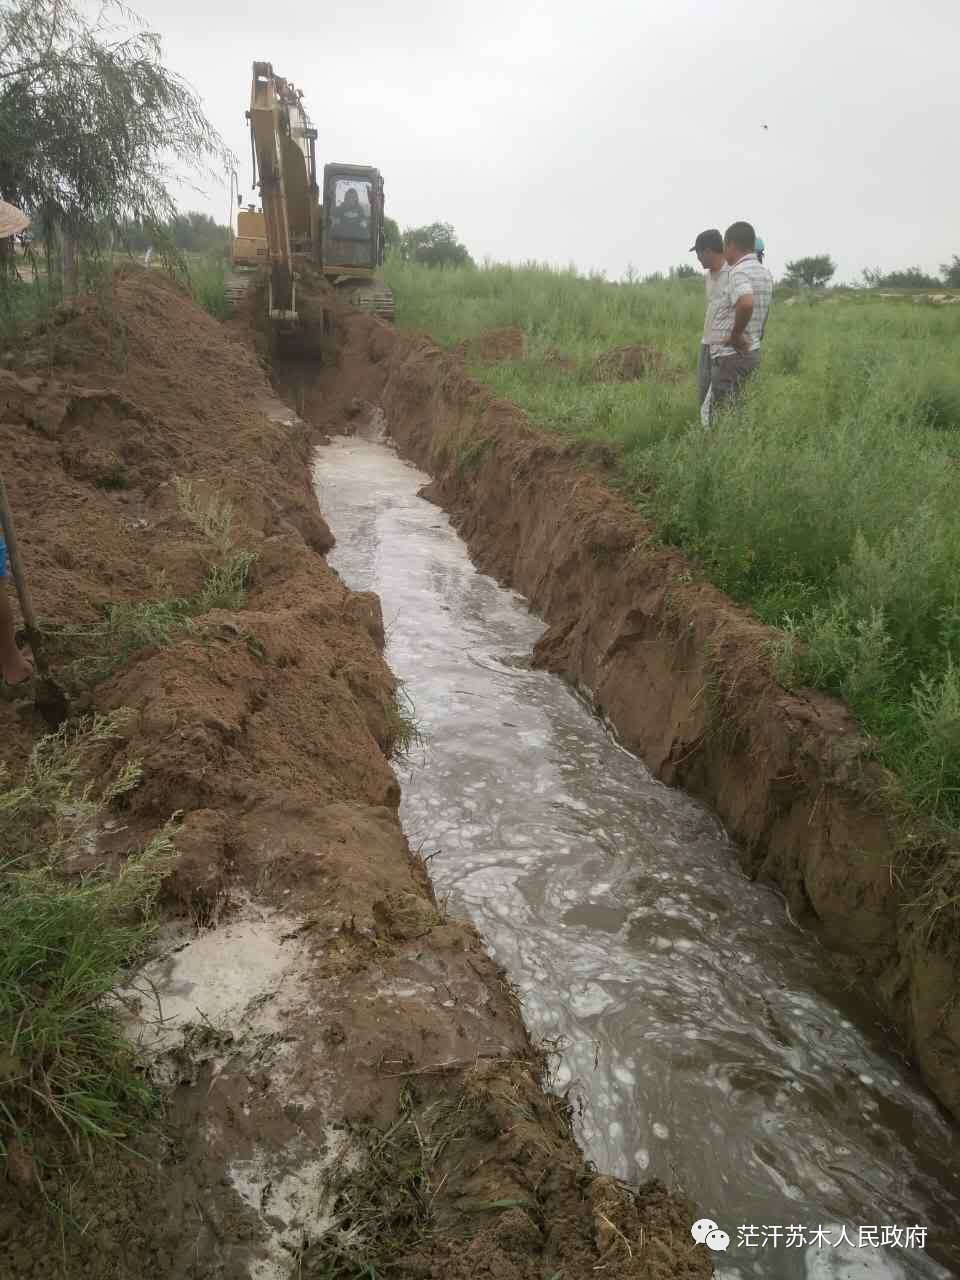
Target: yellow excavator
(342,236)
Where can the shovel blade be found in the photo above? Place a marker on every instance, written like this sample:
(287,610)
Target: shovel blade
(52,702)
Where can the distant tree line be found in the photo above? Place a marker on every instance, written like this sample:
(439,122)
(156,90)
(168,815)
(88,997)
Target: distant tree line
(191,232)
(817,270)
(684,271)
(914,278)
(434,245)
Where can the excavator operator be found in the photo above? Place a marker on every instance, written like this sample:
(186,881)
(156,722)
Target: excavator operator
(350,221)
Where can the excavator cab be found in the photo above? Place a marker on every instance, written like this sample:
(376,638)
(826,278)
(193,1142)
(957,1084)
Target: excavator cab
(352,235)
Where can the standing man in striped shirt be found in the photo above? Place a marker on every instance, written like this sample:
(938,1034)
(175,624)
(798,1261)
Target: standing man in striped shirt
(708,247)
(740,317)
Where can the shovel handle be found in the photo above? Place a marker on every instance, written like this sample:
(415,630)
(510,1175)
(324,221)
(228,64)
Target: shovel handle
(19,578)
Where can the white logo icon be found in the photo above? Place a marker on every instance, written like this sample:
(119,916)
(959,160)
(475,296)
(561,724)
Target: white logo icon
(706,1231)
(702,1228)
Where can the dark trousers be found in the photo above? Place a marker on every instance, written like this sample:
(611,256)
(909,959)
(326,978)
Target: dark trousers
(704,372)
(728,374)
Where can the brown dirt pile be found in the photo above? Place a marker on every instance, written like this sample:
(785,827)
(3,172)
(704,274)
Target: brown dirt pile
(492,346)
(681,671)
(350,996)
(628,364)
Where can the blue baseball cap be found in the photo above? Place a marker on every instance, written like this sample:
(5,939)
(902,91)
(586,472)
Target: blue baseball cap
(760,246)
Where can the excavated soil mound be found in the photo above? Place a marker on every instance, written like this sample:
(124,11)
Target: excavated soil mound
(559,360)
(627,364)
(313,993)
(493,346)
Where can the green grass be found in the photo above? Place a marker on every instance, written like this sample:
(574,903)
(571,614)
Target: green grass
(403,727)
(65,941)
(207,281)
(214,518)
(830,502)
(25,305)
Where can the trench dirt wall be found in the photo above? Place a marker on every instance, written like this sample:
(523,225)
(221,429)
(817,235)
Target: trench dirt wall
(683,674)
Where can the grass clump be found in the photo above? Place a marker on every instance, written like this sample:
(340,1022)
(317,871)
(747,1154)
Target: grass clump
(146,624)
(225,586)
(213,517)
(470,453)
(65,942)
(827,502)
(127,628)
(98,650)
(403,728)
(383,1197)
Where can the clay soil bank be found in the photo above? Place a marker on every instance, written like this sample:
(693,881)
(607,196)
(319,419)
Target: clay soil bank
(313,993)
(681,672)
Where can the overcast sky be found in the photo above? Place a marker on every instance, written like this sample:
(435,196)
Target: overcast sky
(609,132)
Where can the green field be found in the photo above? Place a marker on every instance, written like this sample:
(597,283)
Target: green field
(830,502)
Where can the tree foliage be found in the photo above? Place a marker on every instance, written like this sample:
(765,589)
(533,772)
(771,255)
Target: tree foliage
(684,271)
(93,126)
(391,234)
(191,232)
(951,272)
(434,246)
(812,272)
(906,278)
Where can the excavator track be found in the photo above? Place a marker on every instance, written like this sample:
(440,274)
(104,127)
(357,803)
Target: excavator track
(375,298)
(237,284)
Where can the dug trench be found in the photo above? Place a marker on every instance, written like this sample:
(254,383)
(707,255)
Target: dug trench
(346,1085)
(683,674)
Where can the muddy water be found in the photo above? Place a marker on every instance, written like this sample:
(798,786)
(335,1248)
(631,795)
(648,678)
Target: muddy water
(708,1040)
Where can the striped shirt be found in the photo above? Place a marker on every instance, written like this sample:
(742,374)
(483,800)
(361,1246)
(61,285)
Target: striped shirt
(748,277)
(715,282)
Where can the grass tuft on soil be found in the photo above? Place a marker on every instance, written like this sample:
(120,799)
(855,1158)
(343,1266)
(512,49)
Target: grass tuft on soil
(93,652)
(65,939)
(403,728)
(382,1197)
(828,502)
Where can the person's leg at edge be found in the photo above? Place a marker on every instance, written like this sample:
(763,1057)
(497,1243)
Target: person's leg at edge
(14,666)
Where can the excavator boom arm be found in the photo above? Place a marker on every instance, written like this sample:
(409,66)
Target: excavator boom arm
(270,132)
